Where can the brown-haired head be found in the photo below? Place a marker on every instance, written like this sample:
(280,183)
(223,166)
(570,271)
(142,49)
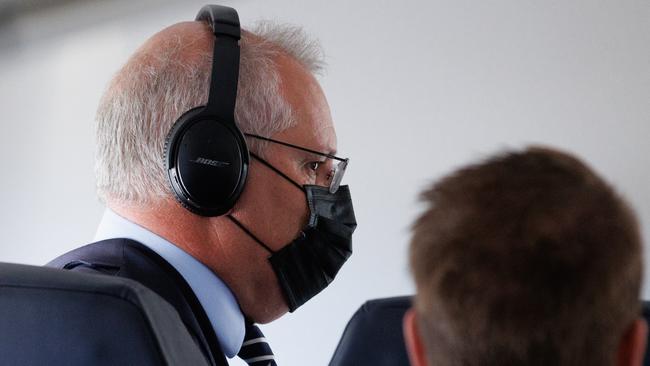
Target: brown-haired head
(528,258)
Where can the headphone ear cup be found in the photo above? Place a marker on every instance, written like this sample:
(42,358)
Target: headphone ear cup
(170,143)
(207,163)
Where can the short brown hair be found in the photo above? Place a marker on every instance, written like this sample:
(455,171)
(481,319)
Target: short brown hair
(528,258)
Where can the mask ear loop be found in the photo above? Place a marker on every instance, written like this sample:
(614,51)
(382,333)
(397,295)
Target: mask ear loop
(241,226)
(277,171)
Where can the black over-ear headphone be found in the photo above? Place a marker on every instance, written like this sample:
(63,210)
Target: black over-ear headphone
(205,152)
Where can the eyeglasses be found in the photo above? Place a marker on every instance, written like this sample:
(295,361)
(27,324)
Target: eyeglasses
(336,174)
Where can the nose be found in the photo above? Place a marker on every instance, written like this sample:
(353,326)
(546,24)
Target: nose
(325,173)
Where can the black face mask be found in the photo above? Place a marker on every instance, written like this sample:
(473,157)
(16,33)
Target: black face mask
(310,262)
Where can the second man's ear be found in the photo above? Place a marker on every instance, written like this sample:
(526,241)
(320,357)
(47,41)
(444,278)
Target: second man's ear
(633,344)
(413,339)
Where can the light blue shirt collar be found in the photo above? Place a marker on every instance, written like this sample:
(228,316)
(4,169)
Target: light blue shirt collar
(215,297)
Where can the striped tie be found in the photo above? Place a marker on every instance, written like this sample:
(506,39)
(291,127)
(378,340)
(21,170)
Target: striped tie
(255,351)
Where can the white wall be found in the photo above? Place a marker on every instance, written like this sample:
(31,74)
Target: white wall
(416,89)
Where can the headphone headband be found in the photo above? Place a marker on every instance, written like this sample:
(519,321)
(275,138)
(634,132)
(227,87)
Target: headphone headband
(223,20)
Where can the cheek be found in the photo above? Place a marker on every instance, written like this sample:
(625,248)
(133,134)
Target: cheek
(289,213)
(289,203)
(272,208)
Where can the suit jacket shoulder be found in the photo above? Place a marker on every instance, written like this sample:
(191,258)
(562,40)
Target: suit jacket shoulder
(131,259)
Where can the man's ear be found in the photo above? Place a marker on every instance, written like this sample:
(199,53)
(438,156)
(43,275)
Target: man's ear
(414,346)
(633,344)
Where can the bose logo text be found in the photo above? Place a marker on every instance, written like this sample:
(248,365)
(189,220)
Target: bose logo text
(214,163)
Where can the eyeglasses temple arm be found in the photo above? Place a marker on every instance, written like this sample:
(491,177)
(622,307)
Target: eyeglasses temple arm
(294,146)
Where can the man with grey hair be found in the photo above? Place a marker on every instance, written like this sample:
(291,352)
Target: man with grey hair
(279,245)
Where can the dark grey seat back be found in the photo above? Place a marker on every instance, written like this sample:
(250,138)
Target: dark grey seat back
(373,336)
(55,317)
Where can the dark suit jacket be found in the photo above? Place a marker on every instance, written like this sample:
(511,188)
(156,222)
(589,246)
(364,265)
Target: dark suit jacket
(130,259)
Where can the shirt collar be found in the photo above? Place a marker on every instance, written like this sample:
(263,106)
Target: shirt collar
(216,298)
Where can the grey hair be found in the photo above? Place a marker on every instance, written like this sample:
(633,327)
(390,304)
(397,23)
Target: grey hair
(153,89)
